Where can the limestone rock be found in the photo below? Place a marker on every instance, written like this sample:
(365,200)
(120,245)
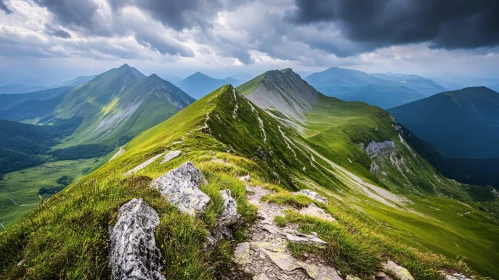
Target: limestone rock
(134,254)
(143,165)
(400,272)
(456,276)
(171,155)
(300,238)
(313,195)
(261,277)
(181,187)
(229,215)
(318,272)
(314,211)
(242,253)
(375,149)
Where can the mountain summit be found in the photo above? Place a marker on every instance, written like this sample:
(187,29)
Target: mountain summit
(283,91)
(120,103)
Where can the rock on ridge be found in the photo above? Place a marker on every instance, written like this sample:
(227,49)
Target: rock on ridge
(134,254)
(180,187)
(400,272)
(171,155)
(313,195)
(229,215)
(375,149)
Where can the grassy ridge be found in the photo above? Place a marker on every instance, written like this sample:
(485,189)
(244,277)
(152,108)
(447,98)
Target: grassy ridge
(67,236)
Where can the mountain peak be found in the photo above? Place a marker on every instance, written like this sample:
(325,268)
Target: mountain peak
(283,90)
(125,66)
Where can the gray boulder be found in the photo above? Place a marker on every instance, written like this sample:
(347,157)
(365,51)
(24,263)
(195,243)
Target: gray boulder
(134,254)
(181,187)
(313,195)
(229,215)
(171,155)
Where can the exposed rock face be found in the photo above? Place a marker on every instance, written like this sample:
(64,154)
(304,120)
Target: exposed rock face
(134,254)
(400,272)
(316,212)
(313,195)
(229,215)
(143,165)
(266,256)
(456,276)
(375,149)
(171,155)
(181,187)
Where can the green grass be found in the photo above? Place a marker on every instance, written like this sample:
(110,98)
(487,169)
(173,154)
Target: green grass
(251,85)
(19,189)
(67,236)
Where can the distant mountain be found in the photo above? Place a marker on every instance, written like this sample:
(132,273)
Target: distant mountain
(462,123)
(119,104)
(198,84)
(76,81)
(422,85)
(353,85)
(11,88)
(31,106)
(283,90)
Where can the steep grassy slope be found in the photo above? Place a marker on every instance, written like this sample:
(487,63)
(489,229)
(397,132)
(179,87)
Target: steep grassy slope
(227,136)
(118,104)
(461,123)
(341,131)
(282,90)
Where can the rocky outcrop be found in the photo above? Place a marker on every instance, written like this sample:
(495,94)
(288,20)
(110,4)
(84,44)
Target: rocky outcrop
(134,254)
(181,188)
(375,149)
(398,271)
(229,215)
(456,276)
(171,155)
(313,195)
(265,255)
(143,165)
(316,212)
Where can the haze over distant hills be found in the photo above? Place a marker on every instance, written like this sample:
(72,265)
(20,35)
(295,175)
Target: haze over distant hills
(382,90)
(463,125)
(198,84)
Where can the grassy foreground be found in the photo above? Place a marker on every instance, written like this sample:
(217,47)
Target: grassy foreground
(67,236)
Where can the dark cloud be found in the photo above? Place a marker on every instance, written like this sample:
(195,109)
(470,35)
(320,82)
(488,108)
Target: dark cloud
(449,24)
(176,14)
(4,7)
(75,13)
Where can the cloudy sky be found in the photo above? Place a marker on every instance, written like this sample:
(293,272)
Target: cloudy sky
(53,40)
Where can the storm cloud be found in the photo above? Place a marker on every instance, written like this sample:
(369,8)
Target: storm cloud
(449,24)
(4,7)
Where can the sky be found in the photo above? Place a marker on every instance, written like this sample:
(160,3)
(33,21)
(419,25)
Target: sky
(54,40)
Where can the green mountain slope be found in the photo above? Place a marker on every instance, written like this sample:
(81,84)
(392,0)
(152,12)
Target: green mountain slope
(353,85)
(198,84)
(462,123)
(227,137)
(118,104)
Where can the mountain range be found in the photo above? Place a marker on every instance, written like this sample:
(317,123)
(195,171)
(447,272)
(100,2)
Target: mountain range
(462,127)
(382,90)
(269,178)
(198,84)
